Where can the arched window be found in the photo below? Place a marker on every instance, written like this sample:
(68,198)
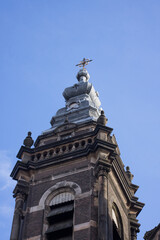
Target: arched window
(60,217)
(117,224)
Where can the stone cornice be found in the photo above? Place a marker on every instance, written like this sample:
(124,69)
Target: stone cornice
(21,189)
(134,187)
(136,206)
(98,126)
(23,149)
(60,142)
(122,178)
(127,186)
(64,157)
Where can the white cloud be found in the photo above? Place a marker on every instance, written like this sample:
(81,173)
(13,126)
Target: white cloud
(5,170)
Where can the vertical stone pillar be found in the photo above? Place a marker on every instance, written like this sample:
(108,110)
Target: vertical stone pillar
(102,204)
(20,193)
(18,214)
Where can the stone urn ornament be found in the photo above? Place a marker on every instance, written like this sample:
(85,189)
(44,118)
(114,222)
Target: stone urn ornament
(28,141)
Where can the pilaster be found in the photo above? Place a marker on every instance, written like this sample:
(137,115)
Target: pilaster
(20,194)
(103,217)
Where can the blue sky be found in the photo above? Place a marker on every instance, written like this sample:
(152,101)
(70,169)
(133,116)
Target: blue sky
(41,41)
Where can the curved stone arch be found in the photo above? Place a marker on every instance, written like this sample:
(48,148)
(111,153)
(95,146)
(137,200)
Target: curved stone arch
(64,185)
(119,217)
(120,207)
(123,212)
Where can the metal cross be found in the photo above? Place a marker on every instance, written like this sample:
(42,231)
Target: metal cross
(84,62)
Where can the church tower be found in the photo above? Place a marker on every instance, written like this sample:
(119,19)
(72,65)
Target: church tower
(72,184)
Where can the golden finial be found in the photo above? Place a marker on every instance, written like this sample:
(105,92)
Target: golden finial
(84,62)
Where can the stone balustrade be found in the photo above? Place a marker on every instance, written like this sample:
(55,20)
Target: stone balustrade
(53,152)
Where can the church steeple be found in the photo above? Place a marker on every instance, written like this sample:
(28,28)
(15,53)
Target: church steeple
(72,184)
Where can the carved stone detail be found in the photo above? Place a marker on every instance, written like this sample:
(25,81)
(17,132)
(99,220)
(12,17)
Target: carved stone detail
(20,193)
(101,170)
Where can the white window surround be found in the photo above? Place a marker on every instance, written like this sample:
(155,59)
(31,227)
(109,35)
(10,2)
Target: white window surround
(61,198)
(64,184)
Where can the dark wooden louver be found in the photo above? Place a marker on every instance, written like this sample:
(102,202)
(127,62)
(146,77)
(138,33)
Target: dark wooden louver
(60,221)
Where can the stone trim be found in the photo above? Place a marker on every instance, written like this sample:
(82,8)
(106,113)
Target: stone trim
(51,177)
(85,225)
(64,184)
(34,238)
(84,195)
(35,209)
